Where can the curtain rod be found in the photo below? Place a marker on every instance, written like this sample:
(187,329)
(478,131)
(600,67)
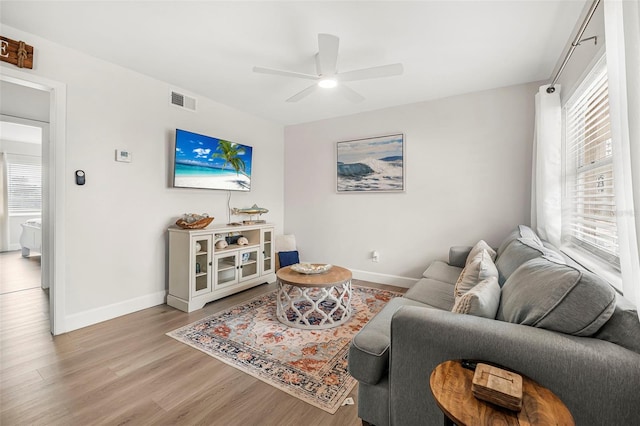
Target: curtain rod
(576,43)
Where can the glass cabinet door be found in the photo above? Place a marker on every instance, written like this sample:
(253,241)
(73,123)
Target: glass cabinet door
(226,269)
(248,262)
(201,264)
(268,262)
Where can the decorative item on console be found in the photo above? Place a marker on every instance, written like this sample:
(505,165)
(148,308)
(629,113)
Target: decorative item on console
(233,239)
(194,221)
(251,211)
(242,241)
(221,244)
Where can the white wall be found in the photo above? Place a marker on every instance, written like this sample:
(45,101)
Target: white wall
(468,165)
(116,241)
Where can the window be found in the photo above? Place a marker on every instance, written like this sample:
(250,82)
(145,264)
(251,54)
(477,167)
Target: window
(590,219)
(24,184)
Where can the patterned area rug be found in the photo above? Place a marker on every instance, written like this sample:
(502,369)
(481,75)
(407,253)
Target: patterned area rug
(308,364)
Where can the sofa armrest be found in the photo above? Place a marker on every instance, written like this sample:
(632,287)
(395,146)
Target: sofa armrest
(458,255)
(597,380)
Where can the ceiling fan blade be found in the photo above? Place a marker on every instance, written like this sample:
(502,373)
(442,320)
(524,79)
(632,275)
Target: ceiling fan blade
(327,59)
(373,72)
(263,70)
(350,94)
(304,93)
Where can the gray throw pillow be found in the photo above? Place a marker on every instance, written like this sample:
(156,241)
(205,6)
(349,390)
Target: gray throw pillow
(481,301)
(547,294)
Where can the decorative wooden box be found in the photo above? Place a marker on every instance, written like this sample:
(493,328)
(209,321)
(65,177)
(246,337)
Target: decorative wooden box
(498,386)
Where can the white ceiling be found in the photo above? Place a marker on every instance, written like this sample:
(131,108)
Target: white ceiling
(209,48)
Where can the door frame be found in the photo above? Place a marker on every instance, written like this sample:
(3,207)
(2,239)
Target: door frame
(53,191)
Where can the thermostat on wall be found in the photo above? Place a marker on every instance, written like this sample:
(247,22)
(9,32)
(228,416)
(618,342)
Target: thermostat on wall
(123,155)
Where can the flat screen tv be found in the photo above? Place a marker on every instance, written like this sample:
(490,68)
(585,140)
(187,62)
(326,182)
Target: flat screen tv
(211,163)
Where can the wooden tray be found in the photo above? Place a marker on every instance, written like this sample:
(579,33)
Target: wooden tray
(199,224)
(498,386)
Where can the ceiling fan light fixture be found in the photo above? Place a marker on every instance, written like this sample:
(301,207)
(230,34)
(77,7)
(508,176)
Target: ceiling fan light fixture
(328,83)
(327,75)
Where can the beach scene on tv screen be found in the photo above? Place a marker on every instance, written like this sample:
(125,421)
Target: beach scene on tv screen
(211,163)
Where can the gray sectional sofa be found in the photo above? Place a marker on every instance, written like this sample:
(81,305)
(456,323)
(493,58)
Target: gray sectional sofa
(555,322)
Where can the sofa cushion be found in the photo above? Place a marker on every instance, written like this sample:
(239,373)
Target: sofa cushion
(478,269)
(516,253)
(553,251)
(458,255)
(369,350)
(482,300)
(441,271)
(481,245)
(521,231)
(435,293)
(623,328)
(550,247)
(547,294)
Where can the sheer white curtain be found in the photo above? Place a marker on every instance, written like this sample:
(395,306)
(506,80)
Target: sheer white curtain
(622,31)
(546,179)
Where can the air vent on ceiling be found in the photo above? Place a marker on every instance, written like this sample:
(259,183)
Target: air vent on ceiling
(183,101)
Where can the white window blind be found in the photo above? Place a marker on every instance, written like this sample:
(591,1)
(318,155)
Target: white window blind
(591,223)
(24,184)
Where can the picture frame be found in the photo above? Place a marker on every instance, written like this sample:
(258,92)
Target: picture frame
(375,164)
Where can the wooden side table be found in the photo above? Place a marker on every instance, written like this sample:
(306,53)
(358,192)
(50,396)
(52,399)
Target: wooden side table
(451,387)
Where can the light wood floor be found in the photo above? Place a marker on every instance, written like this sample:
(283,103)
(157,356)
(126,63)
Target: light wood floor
(126,371)
(17,272)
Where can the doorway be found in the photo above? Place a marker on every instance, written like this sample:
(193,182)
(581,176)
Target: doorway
(21,182)
(53,191)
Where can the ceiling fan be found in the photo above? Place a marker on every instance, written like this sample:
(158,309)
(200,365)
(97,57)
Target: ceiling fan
(327,71)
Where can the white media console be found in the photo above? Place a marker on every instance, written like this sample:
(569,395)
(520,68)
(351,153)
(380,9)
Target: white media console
(197,277)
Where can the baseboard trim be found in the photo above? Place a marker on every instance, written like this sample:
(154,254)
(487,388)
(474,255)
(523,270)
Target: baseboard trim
(104,313)
(375,277)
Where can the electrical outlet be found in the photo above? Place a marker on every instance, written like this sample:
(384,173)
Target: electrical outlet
(375,256)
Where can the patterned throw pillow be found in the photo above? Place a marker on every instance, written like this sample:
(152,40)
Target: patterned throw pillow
(482,300)
(478,269)
(481,245)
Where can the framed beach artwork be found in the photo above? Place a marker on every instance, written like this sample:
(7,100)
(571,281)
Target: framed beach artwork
(371,165)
